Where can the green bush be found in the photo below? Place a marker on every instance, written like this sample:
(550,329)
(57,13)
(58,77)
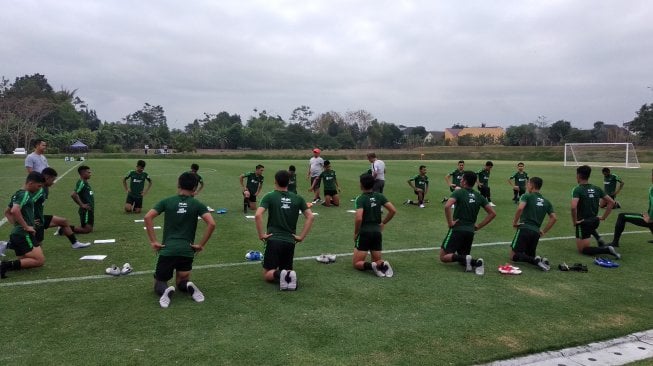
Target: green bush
(112,148)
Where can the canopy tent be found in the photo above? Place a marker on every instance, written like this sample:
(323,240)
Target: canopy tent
(79,146)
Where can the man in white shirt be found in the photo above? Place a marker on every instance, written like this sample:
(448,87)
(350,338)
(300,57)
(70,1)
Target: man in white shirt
(36,161)
(315,168)
(378,172)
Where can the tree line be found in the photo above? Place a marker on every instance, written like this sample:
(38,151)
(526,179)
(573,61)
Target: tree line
(31,108)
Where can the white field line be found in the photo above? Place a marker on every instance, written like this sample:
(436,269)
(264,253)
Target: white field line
(4,219)
(224,265)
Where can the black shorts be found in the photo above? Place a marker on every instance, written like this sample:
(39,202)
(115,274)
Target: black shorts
(165,266)
(525,241)
(330,193)
(317,184)
(378,186)
(137,201)
(459,242)
(485,191)
(252,197)
(22,243)
(86,217)
(40,229)
(585,229)
(278,254)
(369,241)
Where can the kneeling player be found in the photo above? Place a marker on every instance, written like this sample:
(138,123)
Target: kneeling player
(528,220)
(420,185)
(644,219)
(368,228)
(177,250)
(331,186)
(136,190)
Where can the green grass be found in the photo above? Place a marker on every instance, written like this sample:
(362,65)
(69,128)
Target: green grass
(429,313)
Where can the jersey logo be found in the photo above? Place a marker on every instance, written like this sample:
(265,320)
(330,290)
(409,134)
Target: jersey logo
(181,208)
(285,202)
(540,202)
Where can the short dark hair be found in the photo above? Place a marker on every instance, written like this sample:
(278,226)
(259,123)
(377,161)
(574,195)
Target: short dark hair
(49,171)
(82,168)
(37,142)
(259,167)
(489,163)
(35,177)
(422,167)
(187,181)
(367,181)
(520,163)
(291,168)
(605,170)
(141,163)
(371,155)
(327,162)
(461,161)
(584,171)
(469,177)
(282,177)
(536,182)
(194,167)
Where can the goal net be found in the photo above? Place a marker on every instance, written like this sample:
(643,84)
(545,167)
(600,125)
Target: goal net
(617,155)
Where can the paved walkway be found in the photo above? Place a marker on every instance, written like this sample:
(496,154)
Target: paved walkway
(618,351)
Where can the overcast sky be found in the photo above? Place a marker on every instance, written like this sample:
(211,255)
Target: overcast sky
(428,63)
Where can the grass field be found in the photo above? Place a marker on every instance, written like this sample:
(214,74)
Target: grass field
(69,312)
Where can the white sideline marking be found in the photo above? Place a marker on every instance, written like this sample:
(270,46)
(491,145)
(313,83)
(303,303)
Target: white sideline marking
(223,265)
(4,219)
(141,220)
(104,241)
(154,227)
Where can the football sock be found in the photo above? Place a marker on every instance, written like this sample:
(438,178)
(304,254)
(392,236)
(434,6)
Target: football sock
(183,287)
(523,257)
(277,274)
(367,266)
(11,265)
(72,238)
(619,228)
(596,250)
(160,287)
(458,258)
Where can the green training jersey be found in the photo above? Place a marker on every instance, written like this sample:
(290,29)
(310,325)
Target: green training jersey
(520,179)
(484,177)
(39,199)
(292,183)
(200,180)
(253,181)
(137,182)
(26,203)
(610,183)
(650,201)
(371,203)
(283,211)
(180,224)
(588,200)
(85,193)
(457,177)
(536,208)
(421,181)
(468,203)
(329,179)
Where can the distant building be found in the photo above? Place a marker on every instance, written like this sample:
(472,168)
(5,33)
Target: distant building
(434,137)
(452,135)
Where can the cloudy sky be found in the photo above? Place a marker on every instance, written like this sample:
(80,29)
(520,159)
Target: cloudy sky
(429,63)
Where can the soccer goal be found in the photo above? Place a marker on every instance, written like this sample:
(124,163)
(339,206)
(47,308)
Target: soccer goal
(614,155)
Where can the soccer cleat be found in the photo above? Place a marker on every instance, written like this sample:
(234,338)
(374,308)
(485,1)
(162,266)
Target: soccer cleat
(331,257)
(59,231)
(563,267)
(322,258)
(126,269)
(197,295)
(292,284)
(377,271)
(164,300)
(3,248)
(80,245)
(480,269)
(509,269)
(614,252)
(543,266)
(389,272)
(422,206)
(408,202)
(113,270)
(492,204)
(445,199)
(468,263)
(578,267)
(283,284)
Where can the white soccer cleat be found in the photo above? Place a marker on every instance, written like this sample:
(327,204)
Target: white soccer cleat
(322,258)
(164,300)
(492,204)
(197,295)
(292,285)
(389,272)
(126,269)
(113,270)
(3,248)
(422,206)
(468,263)
(377,271)
(480,270)
(80,245)
(331,257)
(283,284)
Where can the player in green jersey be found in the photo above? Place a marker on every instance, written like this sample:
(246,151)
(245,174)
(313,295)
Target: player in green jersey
(292,183)
(279,235)
(22,238)
(194,168)
(644,219)
(368,227)
(610,186)
(83,197)
(178,248)
(528,220)
(484,181)
(457,245)
(518,182)
(584,213)
(136,190)
(251,184)
(331,186)
(420,185)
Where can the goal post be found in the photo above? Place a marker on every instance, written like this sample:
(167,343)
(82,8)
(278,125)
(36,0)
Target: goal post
(613,155)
